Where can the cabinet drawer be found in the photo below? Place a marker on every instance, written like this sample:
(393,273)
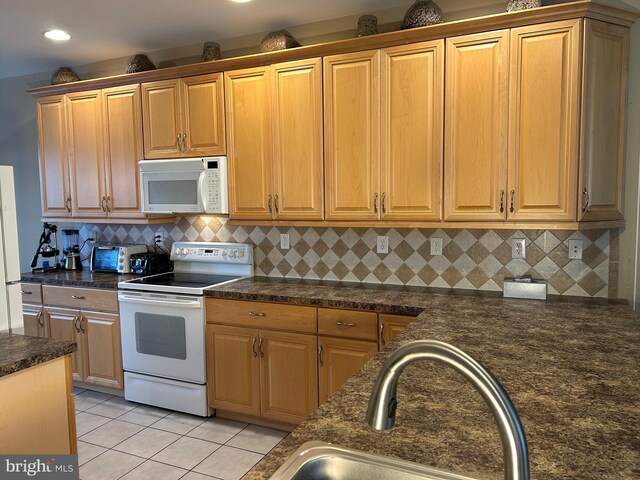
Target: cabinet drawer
(273,316)
(81,298)
(348,323)
(31,293)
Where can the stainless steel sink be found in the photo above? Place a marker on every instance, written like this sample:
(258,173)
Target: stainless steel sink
(324,461)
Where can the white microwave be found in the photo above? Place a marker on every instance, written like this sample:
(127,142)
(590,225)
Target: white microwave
(186,185)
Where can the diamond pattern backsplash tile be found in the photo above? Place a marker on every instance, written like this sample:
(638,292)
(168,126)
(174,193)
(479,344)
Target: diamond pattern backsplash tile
(471,258)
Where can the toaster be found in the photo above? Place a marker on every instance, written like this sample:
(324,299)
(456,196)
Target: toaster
(150,263)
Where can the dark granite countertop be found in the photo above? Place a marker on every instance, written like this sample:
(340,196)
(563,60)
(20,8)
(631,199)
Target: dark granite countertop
(571,367)
(75,278)
(18,352)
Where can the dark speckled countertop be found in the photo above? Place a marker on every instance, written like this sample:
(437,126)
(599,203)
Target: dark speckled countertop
(18,352)
(75,278)
(572,369)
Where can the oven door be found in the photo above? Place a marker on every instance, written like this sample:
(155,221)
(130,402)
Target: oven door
(163,335)
(173,192)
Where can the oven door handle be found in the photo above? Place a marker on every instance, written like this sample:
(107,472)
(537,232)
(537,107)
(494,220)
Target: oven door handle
(168,303)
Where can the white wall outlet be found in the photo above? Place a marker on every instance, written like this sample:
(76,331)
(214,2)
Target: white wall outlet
(518,248)
(436,246)
(575,249)
(160,236)
(382,245)
(284,241)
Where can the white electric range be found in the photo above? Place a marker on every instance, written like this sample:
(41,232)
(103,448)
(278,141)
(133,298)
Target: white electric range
(162,323)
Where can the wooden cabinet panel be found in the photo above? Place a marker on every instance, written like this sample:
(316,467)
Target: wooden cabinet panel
(348,323)
(86,153)
(339,359)
(203,114)
(233,369)
(544,124)
(162,122)
(351,125)
(288,376)
(604,99)
(411,131)
(124,148)
(33,318)
(103,353)
(53,155)
(248,107)
(476,119)
(298,150)
(391,326)
(62,326)
(80,298)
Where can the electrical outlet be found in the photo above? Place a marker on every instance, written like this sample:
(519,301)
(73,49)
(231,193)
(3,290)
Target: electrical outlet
(284,241)
(436,246)
(575,249)
(160,236)
(518,248)
(382,245)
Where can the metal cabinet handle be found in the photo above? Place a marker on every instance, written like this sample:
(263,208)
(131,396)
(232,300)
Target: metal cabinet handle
(253,347)
(178,143)
(383,201)
(320,349)
(342,324)
(82,318)
(67,204)
(260,347)
(78,297)
(501,201)
(587,202)
(75,323)
(108,204)
(513,194)
(39,319)
(382,342)
(257,314)
(184,142)
(275,203)
(104,208)
(269,203)
(375,202)
(24,292)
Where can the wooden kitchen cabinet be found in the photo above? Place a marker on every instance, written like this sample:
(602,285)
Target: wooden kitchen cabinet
(62,324)
(476,113)
(33,319)
(53,156)
(103,349)
(184,117)
(338,360)
(391,326)
(411,118)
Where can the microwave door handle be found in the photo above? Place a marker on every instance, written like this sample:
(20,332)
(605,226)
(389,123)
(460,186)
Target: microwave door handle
(201,200)
(168,303)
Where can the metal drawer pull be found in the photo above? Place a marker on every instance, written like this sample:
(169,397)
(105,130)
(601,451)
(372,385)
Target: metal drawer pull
(184,142)
(382,342)
(269,204)
(275,203)
(375,202)
(40,319)
(78,297)
(342,324)
(178,143)
(587,202)
(253,347)
(81,321)
(75,323)
(382,203)
(320,355)
(260,347)
(257,314)
(501,201)
(67,204)
(513,194)
(24,292)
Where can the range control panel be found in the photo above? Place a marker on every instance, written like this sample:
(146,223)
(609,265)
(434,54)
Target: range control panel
(239,253)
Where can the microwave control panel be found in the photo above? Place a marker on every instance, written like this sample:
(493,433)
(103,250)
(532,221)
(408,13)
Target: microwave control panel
(216,189)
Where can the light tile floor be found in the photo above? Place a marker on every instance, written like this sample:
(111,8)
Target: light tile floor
(118,439)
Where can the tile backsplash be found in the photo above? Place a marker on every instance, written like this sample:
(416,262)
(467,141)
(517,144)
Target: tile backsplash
(471,259)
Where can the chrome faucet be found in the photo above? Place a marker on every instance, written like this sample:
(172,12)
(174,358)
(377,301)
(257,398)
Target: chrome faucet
(381,412)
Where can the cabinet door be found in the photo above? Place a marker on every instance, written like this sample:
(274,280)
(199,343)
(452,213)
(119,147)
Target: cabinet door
(544,102)
(476,123)
(391,326)
(297,130)
(604,102)
(203,114)
(161,120)
(54,159)
(123,145)
(351,124)
(248,105)
(86,154)
(288,376)
(33,318)
(411,131)
(233,371)
(62,325)
(339,359)
(103,355)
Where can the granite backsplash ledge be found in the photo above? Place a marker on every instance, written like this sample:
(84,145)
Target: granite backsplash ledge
(475,259)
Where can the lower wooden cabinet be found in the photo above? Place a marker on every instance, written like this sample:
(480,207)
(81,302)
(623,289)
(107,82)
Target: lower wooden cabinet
(62,324)
(33,319)
(391,326)
(338,360)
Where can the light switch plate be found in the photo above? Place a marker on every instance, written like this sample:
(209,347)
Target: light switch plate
(284,241)
(436,246)
(382,245)
(575,249)
(518,248)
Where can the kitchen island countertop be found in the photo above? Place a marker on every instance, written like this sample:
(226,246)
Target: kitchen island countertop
(18,352)
(571,367)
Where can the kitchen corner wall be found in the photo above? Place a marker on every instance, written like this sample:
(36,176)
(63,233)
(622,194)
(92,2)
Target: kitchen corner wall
(471,259)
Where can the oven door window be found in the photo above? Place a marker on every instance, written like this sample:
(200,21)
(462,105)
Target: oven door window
(161,335)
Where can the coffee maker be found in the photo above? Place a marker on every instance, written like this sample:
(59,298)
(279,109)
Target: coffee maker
(71,249)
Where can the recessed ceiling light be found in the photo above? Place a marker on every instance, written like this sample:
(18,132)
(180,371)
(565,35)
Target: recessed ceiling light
(59,35)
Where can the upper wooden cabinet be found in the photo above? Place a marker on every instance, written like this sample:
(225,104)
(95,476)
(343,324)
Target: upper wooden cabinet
(475,160)
(544,106)
(184,117)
